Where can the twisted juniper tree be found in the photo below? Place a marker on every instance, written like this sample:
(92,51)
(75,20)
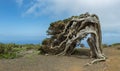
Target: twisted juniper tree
(67,33)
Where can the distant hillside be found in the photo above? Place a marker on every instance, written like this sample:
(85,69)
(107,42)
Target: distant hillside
(115,44)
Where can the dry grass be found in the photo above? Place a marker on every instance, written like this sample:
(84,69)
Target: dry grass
(62,63)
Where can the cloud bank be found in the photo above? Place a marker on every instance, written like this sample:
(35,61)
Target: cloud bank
(107,10)
(58,7)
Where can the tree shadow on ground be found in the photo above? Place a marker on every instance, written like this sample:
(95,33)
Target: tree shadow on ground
(82,53)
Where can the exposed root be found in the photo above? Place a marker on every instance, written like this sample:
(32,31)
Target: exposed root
(95,61)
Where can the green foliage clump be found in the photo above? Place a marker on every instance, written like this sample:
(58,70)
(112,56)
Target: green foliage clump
(12,50)
(31,46)
(53,31)
(7,51)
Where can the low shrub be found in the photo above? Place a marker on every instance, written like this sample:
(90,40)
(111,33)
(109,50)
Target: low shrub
(7,51)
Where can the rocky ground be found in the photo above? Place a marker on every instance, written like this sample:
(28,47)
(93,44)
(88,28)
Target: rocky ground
(31,62)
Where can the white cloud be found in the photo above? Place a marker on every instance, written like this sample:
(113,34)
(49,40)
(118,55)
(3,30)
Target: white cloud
(59,7)
(107,10)
(19,2)
(99,3)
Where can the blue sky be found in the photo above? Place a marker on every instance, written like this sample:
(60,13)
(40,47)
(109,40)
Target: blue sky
(26,21)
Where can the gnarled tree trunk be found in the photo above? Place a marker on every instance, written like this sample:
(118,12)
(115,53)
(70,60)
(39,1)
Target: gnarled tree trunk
(76,30)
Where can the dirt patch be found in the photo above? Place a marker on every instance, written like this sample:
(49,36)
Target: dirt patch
(61,63)
(74,68)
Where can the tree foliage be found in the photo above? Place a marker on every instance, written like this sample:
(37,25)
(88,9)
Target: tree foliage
(53,31)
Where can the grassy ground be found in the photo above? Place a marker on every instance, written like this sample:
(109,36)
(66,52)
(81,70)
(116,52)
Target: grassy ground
(33,62)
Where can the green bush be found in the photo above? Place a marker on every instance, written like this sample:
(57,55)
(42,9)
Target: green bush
(12,50)
(31,46)
(9,55)
(7,51)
